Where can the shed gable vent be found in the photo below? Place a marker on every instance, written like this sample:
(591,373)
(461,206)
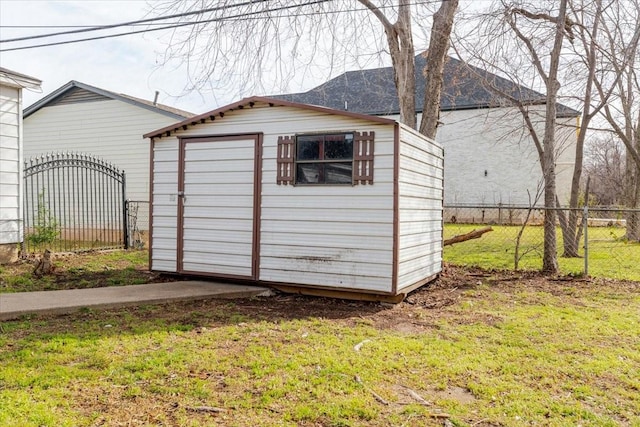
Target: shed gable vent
(285,159)
(77,95)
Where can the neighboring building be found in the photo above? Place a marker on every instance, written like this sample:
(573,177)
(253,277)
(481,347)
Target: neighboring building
(298,197)
(81,118)
(489,156)
(11,146)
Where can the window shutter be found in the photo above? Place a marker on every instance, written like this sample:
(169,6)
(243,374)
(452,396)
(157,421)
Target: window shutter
(285,160)
(363,158)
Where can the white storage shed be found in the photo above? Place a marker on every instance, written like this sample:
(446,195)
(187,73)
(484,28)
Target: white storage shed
(297,197)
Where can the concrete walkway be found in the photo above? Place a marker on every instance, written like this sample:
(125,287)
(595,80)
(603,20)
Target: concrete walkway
(14,305)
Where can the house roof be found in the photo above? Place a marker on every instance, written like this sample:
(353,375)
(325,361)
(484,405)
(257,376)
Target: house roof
(80,92)
(15,79)
(250,103)
(373,91)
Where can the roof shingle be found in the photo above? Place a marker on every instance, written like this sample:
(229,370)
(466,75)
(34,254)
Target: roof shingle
(373,91)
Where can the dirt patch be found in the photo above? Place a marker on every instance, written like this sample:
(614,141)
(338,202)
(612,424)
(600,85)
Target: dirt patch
(421,311)
(458,394)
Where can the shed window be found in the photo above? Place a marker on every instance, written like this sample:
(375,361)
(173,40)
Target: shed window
(324,159)
(344,158)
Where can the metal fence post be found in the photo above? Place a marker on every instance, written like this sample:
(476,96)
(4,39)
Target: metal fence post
(125,212)
(585,220)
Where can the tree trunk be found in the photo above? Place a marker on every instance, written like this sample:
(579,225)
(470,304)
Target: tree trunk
(400,40)
(550,255)
(633,202)
(572,232)
(436,57)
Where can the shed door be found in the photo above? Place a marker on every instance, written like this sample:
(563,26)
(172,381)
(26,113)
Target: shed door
(217,212)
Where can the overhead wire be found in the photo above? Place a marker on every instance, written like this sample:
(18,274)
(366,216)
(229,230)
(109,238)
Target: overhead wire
(151,21)
(183,24)
(139,21)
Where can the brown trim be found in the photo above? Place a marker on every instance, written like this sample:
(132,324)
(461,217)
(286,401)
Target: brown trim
(223,276)
(336,288)
(363,155)
(396,209)
(336,293)
(251,101)
(180,207)
(257,206)
(257,138)
(285,160)
(151,173)
(442,216)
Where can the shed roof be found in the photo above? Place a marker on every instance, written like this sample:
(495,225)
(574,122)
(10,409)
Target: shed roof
(87,92)
(373,91)
(15,79)
(250,103)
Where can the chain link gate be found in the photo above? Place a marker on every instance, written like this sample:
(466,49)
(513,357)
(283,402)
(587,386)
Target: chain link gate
(73,202)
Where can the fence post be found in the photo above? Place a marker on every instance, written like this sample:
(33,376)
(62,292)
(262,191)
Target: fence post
(585,220)
(125,213)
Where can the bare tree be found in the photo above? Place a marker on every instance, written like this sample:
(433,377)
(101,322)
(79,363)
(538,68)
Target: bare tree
(586,22)
(605,162)
(400,40)
(436,56)
(525,40)
(621,30)
(240,47)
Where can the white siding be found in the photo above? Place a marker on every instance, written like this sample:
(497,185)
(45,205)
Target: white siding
(10,166)
(109,129)
(165,205)
(330,236)
(420,184)
(495,140)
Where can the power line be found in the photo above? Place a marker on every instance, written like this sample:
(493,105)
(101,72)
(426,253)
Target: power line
(244,15)
(140,21)
(148,21)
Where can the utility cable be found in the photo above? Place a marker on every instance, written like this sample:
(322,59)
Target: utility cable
(140,21)
(162,28)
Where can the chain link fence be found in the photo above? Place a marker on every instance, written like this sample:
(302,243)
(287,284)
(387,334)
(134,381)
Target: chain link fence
(597,241)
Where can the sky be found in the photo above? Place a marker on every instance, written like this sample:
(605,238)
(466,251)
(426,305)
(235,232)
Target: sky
(132,64)
(126,64)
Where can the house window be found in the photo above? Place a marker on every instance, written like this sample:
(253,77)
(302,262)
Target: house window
(344,158)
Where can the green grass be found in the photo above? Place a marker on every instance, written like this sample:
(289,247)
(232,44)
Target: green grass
(609,254)
(521,355)
(73,271)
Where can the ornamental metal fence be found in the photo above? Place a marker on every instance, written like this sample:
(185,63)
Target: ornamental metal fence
(594,241)
(73,202)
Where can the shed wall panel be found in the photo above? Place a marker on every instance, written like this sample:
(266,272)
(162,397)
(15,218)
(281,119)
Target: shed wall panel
(165,206)
(420,185)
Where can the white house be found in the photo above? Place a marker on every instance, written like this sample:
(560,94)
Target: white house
(81,118)
(298,197)
(11,146)
(489,157)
